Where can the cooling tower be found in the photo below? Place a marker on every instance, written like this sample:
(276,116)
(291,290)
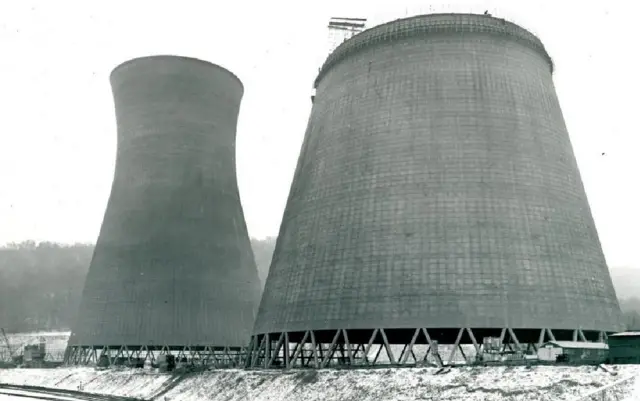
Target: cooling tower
(436,199)
(173,267)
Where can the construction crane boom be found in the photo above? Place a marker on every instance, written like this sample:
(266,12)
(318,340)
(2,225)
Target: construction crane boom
(6,340)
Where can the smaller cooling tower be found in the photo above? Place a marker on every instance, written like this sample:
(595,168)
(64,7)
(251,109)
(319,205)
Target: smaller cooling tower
(437,200)
(173,268)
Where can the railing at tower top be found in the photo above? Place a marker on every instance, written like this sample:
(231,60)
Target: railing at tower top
(616,391)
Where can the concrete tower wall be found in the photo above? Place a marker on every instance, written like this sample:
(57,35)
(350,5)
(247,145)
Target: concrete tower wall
(173,263)
(437,188)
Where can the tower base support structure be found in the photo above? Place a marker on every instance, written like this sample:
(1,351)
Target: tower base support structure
(384,347)
(138,355)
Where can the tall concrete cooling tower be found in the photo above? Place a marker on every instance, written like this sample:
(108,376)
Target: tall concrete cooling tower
(173,268)
(436,198)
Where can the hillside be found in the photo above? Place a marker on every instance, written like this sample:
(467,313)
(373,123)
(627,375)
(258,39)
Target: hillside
(627,283)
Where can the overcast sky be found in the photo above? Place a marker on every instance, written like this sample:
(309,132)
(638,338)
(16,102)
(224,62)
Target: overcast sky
(58,133)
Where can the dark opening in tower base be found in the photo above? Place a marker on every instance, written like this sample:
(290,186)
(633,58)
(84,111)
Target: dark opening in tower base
(408,347)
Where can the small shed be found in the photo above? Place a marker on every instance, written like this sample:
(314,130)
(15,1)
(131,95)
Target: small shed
(573,352)
(624,347)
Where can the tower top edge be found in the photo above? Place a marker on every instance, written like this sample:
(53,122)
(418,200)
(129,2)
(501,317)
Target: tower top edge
(181,59)
(430,24)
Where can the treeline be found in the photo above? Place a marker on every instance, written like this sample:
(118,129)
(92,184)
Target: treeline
(41,284)
(631,309)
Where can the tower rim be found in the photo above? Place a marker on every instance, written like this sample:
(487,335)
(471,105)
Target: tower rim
(116,70)
(430,24)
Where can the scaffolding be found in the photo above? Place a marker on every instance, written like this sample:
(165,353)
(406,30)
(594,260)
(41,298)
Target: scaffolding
(341,29)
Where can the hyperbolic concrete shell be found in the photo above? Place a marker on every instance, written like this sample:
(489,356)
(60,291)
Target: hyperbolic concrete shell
(437,187)
(173,263)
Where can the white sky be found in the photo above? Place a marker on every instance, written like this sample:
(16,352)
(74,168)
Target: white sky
(57,123)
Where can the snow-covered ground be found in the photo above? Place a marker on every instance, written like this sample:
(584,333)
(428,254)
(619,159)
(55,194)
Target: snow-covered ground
(634,394)
(404,384)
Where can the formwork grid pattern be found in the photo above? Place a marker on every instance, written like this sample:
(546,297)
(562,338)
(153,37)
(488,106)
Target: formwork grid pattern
(375,348)
(437,187)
